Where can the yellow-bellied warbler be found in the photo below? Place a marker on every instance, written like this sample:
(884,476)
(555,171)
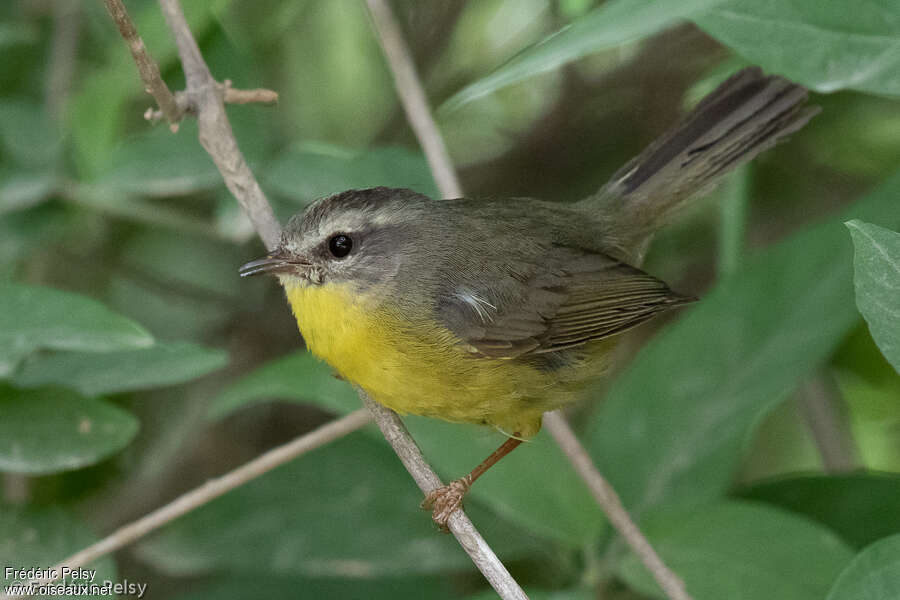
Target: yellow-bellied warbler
(495,311)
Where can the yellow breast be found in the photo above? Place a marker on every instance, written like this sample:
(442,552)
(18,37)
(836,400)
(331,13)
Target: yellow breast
(412,364)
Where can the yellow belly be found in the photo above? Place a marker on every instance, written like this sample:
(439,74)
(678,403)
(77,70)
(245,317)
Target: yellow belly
(413,365)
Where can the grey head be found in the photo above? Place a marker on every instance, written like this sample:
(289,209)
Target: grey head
(359,236)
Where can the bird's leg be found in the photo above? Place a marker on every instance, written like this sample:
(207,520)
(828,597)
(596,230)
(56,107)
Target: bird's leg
(444,501)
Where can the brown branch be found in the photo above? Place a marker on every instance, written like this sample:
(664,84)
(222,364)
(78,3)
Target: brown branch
(412,95)
(205,96)
(410,455)
(258,95)
(147,67)
(609,500)
(209,491)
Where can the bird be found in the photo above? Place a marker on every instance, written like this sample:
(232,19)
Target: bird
(495,311)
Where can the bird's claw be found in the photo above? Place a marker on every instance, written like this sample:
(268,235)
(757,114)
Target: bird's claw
(445,500)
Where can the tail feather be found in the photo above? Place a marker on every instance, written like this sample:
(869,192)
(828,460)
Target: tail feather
(745,115)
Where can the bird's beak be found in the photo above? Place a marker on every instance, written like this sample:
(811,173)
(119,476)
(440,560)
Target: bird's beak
(275,262)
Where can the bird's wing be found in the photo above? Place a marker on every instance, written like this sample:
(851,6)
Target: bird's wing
(576,298)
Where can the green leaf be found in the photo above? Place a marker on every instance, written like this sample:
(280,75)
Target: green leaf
(740,551)
(860,507)
(615,22)
(348,510)
(873,575)
(820,44)
(41,537)
(27,134)
(877,278)
(51,430)
(160,163)
(306,171)
(672,425)
(20,190)
(94,374)
(325,588)
(298,377)
(38,317)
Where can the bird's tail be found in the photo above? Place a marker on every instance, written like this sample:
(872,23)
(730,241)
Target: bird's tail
(745,115)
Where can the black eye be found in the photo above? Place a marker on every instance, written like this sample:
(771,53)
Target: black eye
(340,245)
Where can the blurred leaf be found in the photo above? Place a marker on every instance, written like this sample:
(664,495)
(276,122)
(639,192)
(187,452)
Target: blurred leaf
(180,286)
(310,171)
(12,34)
(39,317)
(820,44)
(51,430)
(160,163)
(299,377)
(20,189)
(348,510)
(673,424)
(615,22)
(873,575)
(337,85)
(861,507)
(27,135)
(877,264)
(269,587)
(41,537)
(94,374)
(534,486)
(25,231)
(740,551)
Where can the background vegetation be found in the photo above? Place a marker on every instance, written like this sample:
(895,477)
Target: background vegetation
(755,435)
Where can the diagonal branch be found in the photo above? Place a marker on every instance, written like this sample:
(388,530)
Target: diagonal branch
(412,95)
(208,492)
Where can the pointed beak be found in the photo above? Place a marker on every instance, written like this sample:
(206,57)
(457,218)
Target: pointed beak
(274,262)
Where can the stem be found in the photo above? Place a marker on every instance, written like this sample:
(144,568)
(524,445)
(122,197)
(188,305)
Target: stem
(609,501)
(211,490)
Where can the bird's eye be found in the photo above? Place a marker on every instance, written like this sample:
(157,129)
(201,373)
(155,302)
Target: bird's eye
(340,245)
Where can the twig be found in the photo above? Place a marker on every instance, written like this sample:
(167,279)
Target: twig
(257,95)
(607,498)
(409,88)
(819,407)
(147,67)
(211,490)
(410,455)
(216,137)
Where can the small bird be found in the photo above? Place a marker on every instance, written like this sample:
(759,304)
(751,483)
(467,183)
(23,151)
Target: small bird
(496,311)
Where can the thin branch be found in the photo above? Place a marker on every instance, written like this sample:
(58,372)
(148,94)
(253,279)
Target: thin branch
(409,88)
(206,97)
(819,404)
(147,67)
(410,455)
(209,491)
(609,500)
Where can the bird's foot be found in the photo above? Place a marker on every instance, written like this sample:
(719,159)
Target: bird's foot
(444,501)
